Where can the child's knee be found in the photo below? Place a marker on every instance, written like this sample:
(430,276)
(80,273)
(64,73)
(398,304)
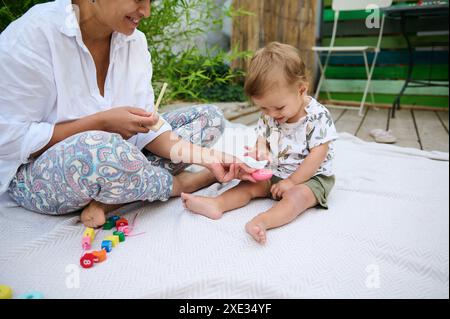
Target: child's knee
(300,196)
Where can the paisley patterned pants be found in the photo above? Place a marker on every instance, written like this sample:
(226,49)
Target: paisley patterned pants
(102,166)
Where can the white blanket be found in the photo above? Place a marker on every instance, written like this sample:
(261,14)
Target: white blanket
(386,235)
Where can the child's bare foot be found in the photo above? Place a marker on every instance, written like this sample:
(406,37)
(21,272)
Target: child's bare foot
(257,230)
(94,215)
(205,206)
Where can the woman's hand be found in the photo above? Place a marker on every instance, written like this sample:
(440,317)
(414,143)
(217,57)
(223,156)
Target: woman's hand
(226,167)
(127,121)
(279,189)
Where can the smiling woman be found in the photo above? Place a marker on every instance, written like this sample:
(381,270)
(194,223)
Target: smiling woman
(75,109)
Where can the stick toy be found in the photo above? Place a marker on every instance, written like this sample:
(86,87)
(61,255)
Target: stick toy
(160,123)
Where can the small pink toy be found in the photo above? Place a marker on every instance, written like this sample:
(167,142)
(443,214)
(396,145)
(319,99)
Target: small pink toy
(262,175)
(86,243)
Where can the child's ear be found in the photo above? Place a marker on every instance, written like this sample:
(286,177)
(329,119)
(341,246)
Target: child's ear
(303,89)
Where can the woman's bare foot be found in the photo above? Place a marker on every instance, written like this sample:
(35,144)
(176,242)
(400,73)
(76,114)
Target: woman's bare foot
(205,206)
(257,230)
(93,215)
(187,182)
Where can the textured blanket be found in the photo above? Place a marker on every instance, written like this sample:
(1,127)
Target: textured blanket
(386,235)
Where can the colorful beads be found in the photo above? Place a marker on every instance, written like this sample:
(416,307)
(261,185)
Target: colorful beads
(107,245)
(87,261)
(121,222)
(109,225)
(89,232)
(5,292)
(100,256)
(32,295)
(124,229)
(86,243)
(120,234)
(114,239)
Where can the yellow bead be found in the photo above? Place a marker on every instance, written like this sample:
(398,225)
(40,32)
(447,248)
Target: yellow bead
(5,292)
(114,239)
(89,232)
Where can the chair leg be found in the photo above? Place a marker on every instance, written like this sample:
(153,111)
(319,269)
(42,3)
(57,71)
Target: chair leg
(323,69)
(372,96)
(368,84)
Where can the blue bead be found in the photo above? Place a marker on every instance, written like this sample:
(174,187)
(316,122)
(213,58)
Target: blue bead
(107,245)
(32,295)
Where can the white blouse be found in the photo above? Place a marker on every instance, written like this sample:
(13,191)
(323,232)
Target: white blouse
(48,76)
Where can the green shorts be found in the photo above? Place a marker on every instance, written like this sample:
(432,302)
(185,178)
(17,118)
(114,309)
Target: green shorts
(320,185)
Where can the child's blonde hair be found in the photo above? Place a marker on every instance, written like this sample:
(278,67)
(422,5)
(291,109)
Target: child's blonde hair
(274,57)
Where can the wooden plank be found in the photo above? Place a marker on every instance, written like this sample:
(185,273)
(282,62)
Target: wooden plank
(289,21)
(434,101)
(436,72)
(327,3)
(443,116)
(390,42)
(403,128)
(335,113)
(390,58)
(349,122)
(382,87)
(357,27)
(432,134)
(250,119)
(375,119)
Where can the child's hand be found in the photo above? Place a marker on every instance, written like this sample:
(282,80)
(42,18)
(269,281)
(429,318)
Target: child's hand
(258,153)
(277,190)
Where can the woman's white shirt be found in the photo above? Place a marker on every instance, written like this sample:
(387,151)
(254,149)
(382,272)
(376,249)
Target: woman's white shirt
(48,76)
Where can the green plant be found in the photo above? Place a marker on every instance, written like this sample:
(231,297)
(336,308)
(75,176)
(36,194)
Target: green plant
(10,10)
(192,74)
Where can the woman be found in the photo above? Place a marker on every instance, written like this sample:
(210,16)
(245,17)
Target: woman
(76,107)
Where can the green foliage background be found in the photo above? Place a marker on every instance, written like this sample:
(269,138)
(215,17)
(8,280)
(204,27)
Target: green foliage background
(192,74)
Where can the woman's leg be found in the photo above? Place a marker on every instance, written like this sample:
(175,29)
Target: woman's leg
(201,125)
(89,166)
(234,198)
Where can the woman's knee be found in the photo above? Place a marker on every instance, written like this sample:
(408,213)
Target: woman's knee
(215,117)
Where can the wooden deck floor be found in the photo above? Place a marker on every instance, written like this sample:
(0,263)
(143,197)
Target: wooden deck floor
(425,130)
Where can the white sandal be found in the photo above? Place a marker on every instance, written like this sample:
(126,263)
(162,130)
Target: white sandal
(382,136)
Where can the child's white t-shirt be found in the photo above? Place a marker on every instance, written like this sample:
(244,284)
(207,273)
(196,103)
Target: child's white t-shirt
(291,143)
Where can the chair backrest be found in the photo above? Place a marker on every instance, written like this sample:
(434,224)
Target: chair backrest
(348,5)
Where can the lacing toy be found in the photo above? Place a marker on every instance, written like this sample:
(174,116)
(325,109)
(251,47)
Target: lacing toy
(123,229)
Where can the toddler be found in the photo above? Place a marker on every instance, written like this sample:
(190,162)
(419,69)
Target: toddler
(295,134)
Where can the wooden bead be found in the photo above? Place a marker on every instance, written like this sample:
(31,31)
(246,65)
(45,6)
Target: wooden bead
(5,292)
(120,234)
(109,225)
(89,232)
(114,239)
(87,261)
(121,222)
(32,295)
(100,256)
(107,245)
(124,229)
(86,243)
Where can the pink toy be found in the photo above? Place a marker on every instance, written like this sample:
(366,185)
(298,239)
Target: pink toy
(262,175)
(86,243)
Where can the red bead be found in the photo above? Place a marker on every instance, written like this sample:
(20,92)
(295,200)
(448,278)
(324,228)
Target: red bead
(87,261)
(121,222)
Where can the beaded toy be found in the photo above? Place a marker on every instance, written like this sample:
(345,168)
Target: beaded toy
(89,258)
